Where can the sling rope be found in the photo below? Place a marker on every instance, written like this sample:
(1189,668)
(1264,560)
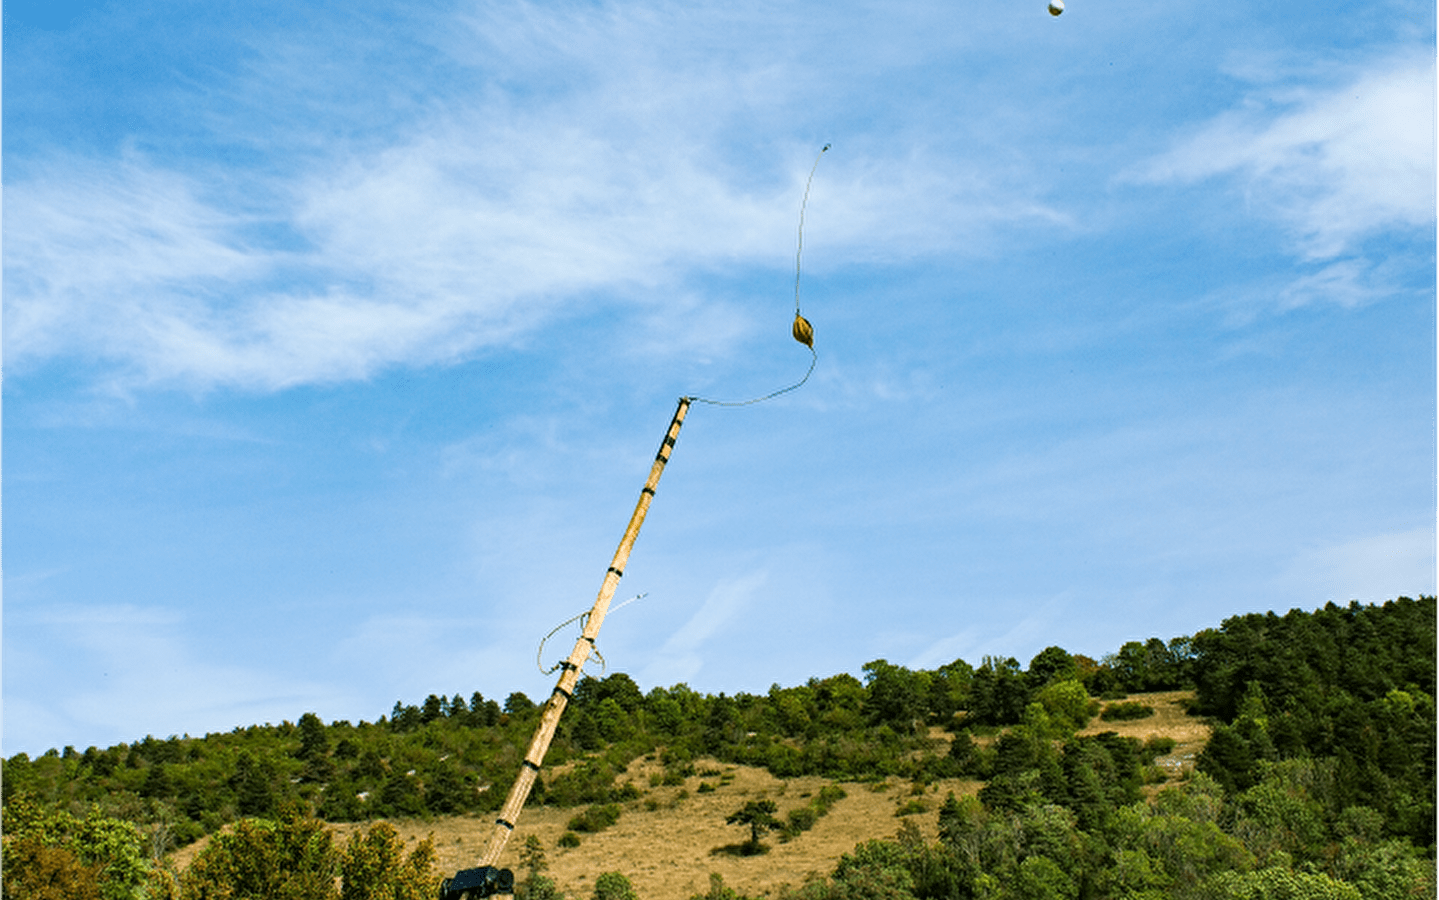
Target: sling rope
(583,619)
(802,330)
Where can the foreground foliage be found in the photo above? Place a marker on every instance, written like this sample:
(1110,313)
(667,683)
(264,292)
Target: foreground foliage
(1191,844)
(294,858)
(52,853)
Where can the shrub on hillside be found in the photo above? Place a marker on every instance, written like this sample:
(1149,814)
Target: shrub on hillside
(614,886)
(262,858)
(590,782)
(595,818)
(374,866)
(1159,745)
(36,871)
(719,890)
(1123,712)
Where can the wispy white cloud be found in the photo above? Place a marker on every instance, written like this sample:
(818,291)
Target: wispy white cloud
(1337,166)
(469,227)
(421,254)
(94,252)
(140,675)
(947,649)
(681,657)
(1370,569)
(1348,283)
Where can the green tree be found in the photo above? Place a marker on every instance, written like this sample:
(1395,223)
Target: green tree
(313,740)
(34,870)
(477,711)
(292,859)
(614,886)
(949,689)
(665,712)
(1387,870)
(1286,811)
(874,870)
(998,692)
(1067,703)
(613,722)
(433,709)
(1231,757)
(108,848)
(404,718)
(792,710)
(759,816)
(253,785)
(1041,878)
(374,866)
(898,697)
(1049,665)
(584,731)
(157,784)
(400,796)
(840,700)
(1134,875)
(1152,665)
(1184,850)
(446,792)
(618,687)
(961,750)
(1280,883)
(457,708)
(535,885)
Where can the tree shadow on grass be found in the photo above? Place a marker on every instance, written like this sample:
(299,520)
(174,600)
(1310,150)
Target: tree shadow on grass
(744,848)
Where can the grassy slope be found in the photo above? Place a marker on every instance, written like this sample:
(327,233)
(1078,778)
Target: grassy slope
(668,852)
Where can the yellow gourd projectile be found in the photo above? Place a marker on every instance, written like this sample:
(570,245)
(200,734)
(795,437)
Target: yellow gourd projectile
(803,331)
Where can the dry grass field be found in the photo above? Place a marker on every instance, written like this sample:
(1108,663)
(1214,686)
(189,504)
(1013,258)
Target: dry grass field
(669,851)
(671,839)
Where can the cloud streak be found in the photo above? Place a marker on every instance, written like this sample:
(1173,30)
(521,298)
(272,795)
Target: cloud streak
(681,658)
(1336,166)
(471,227)
(1370,569)
(141,675)
(413,256)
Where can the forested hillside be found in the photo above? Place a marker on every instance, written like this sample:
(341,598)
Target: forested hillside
(1318,780)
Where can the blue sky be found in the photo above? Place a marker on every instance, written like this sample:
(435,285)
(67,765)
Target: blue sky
(339,339)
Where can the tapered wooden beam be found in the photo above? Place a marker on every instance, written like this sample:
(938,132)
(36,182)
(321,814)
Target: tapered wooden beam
(570,668)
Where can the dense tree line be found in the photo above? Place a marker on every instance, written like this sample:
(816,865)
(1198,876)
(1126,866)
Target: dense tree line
(450,755)
(1351,685)
(1319,777)
(1318,782)
(1283,839)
